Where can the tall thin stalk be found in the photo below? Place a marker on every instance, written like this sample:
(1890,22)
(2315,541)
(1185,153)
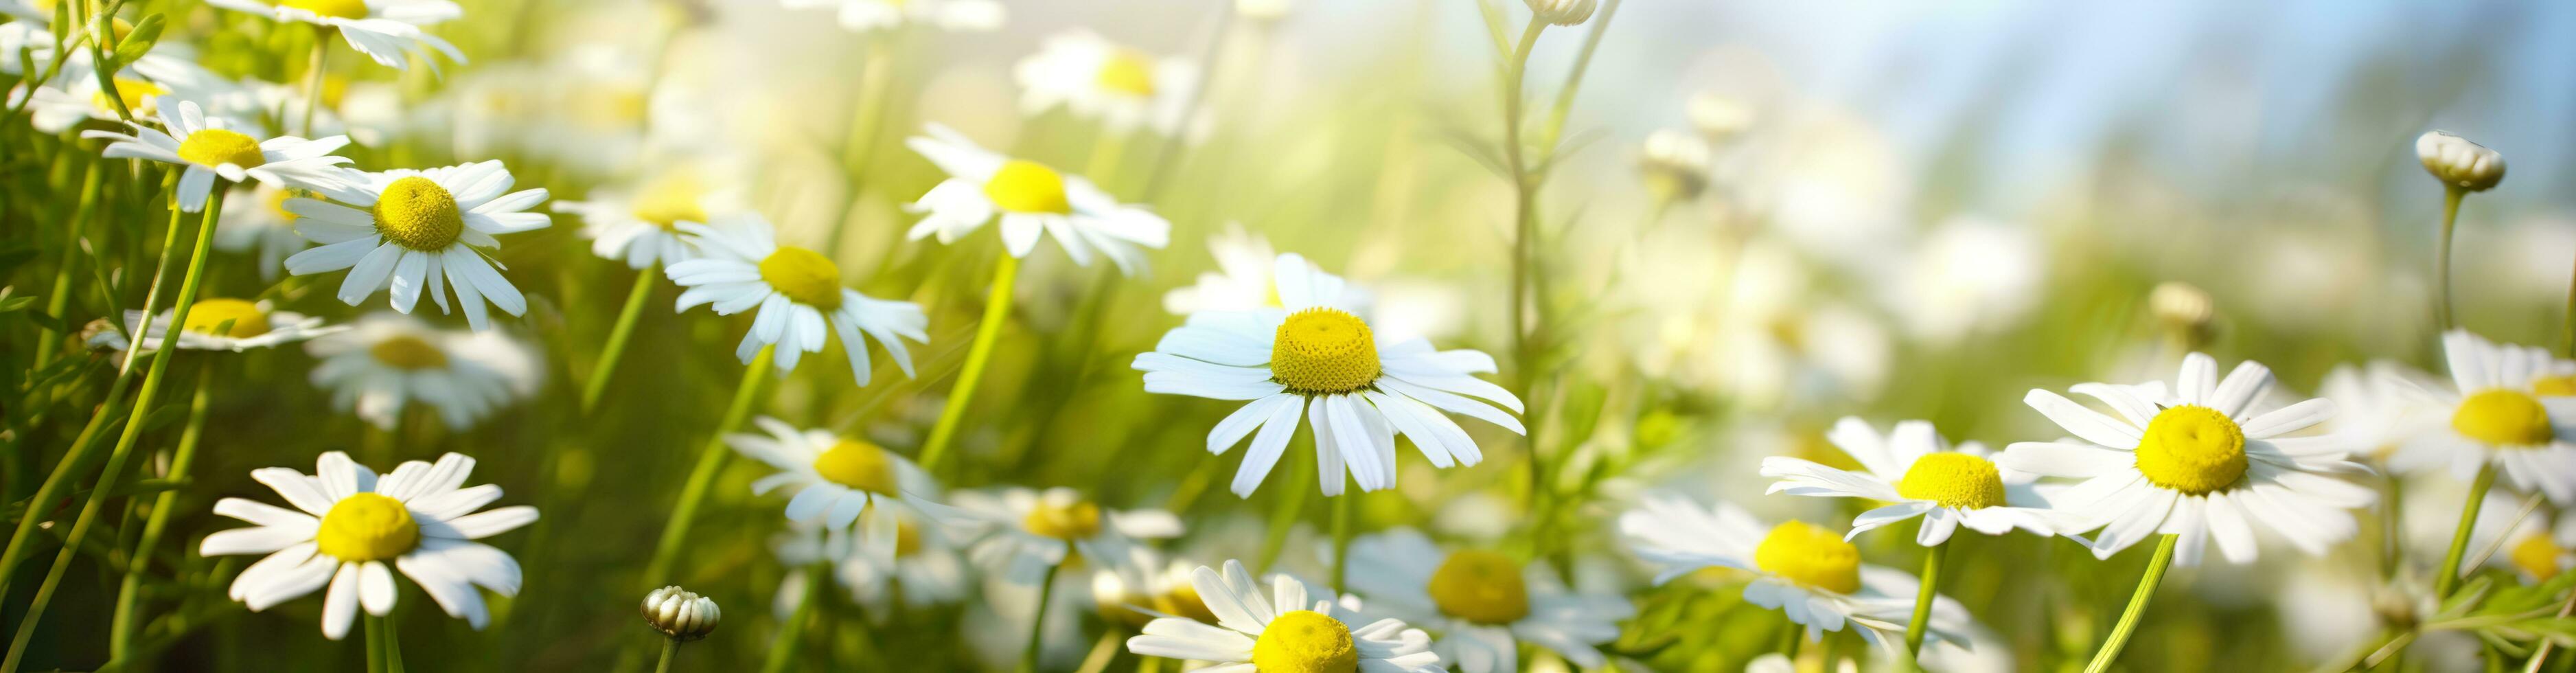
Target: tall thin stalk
(129,594)
(2128,623)
(710,459)
(609,353)
(2442,316)
(2449,574)
(315,66)
(1923,599)
(1342,506)
(997,308)
(790,637)
(1037,621)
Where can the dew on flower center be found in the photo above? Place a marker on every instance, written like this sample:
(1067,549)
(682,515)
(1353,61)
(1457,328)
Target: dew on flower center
(1480,586)
(2539,556)
(1305,641)
(418,214)
(858,465)
(2556,385)
(208,315)
(137,94)
(1324,351)
(1128,71)
(2192,449)
(367,527)
(803,275)
(408,353)
(2500,417)
(1953,479)
(1809,556)
(1070,522)
(1024,186)
(337,9)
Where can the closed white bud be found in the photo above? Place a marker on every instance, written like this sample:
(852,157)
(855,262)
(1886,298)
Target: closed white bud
(1719,117)
(1675,163)
(2181,305)
(1563,12)
(680,614)
(2459,163)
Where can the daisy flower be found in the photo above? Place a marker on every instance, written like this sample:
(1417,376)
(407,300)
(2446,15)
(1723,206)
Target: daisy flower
(209,148)
(389,31)
(1145,587)
(1919,474)
(871,15)
(421,518)
(419,229)
(2379,406)
(925,570)
(641,226)
(1315,359)
(2197,462)
(1023,532)
(1030,199)
(1483,604)
(1246,278)
(220,324)
(261,222)
(1119,86)
(1809,573)
(387,361)
(2537,550)
(1282,631)
(836,479)
(797,291)
(2509,406)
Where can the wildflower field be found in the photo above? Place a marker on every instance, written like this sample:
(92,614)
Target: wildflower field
(1286,336)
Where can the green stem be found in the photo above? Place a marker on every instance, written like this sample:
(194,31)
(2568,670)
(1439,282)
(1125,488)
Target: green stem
(2128,623)
(1107,150)
(670,647)
(60,298)
(1923,598)
(160,272)
(315,66)
(710,458)
(124,443)
(617,336)
(783,647)
(867,121)
(393,643)
(2542,654)
(1037,622)
(997,308)
(2442,256)
(375,645)
(41,503)
(1290,502)
(120,637)
(1342,507)
(2449,575)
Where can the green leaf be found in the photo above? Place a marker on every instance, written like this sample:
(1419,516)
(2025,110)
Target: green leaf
(138,41)
(2466,597)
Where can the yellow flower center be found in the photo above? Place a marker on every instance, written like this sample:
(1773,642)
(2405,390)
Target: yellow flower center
(858,465)
(408,353)
(670,200)
(1480,586)
(337,9)
(1809,556)
(207,316)
(907,539)
(1129,72)
(367,527)
(417,213)
(1070,522)
(2192,449)
(803,275)
(2502,417)
(1324,351)
(1183,601)
(1024,186)
(216,147)
(277,205)
(138,95)
(1305,641)
(2538,556)
(2558,385)
(1953,479)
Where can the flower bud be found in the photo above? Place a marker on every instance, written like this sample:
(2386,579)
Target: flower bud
(682,615)
(2181,306)
(1563,12)
(2458,163)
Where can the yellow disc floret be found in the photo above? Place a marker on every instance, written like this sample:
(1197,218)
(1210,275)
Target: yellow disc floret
(1480,586)
(1809,556)
(1324,351)
(2192,449)
(216,147)
(2538,556)
(1128,71)
(367,527)
(1024,186)
(858,465)
(2555,385)
(337,9)
(1070,522)
(1305,641)
(210,314)
(277,205)
(408,353)
(2501,417)
(1953,479)
(803,275)
(417,213)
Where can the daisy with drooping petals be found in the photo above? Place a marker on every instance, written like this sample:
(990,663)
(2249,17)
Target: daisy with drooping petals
(871,15)
(641,226)
(421,518)
(1247,277)
(1314,359)
(1809,573)
(1919,474)
(837,479)
(1023,532)
(210,148)
(1120,86)
(797,291)
(388,31)
(419,229)
(387,361)
(1282,631)
(1029,198)
(1481,603)
(2510,408)
(220,324)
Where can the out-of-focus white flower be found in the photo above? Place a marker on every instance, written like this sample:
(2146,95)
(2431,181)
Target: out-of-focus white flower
(1247,278)
(2510,405)
(2458,163)
(1969,274)
(1483,603)
(2181,306)
(950,15)
(1120,86)
(1021,532)
(1779,341)
(639,224)
(220,324)
(2380,405)
(388,31)
(261,221)
(387,361)
(1719,117)
(1808,573)
(1675,164)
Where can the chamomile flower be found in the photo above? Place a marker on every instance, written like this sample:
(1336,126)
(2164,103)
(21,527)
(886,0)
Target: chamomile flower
(836,479)
(1483,604)
(421,519)
(209,148)
(2508,405)
(1919,474)
(1120,86)
(1282,631)
(1030,198)
(1022,532)
(924,569)
(797,291)
(262,222)
(1809,573)
(388,31)
(1145,587)
(419,229)
(872,15)
(2379,406)
(641,225)
(1247,277)
(2198,461)
(387,361)
(1314,358)
(220,324)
